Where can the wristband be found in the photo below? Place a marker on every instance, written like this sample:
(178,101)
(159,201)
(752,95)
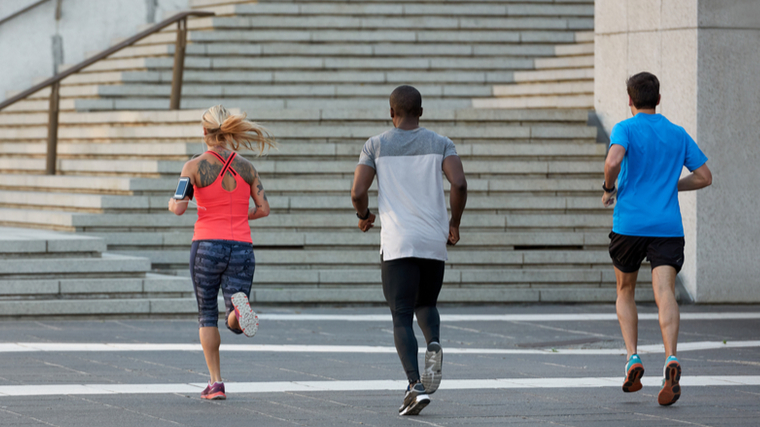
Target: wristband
(608,190)
(365,217)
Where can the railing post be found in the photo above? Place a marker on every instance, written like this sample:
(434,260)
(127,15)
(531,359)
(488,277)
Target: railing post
(52,141)
(179,64)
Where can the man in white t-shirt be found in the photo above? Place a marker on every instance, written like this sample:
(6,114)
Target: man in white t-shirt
(408,161)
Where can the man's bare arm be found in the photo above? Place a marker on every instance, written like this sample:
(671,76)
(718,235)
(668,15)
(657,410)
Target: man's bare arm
(452,168)
(701,177)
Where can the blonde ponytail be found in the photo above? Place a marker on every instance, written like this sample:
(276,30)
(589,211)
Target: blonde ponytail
(231,131)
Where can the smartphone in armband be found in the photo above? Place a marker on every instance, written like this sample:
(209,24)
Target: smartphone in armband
(184,189)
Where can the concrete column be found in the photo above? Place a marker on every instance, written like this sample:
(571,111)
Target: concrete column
(705,54)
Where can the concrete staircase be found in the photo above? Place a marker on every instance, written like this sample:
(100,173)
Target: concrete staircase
(335,55)
(318,74)
(43,272)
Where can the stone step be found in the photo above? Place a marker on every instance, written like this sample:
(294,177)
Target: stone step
(349,238)
(29,243)
(275,186)
(291,116)
(101,288)
(136,307)
(575,49)
(248,49)
(108,265)
(250,103)
(565,62)
(270,277)
(84,222)
(356,133)
(26,106)
(542,101)
(293,76)
(554,75)
(202,4)
(327,35)
(584,37)
(304,279)
(384,23)
(281,168)
(305,64)
(396,10)
(543,89)
(463,257)
(86,184)
(279,204)
(292,150)
(264,90)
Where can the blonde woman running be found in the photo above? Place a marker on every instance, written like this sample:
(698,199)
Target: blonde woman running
(222,250)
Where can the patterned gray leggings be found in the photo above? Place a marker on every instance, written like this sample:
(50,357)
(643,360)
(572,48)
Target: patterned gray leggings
(224,264)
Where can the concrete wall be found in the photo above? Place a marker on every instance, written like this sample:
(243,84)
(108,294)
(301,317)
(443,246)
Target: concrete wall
(85,27)
(705,54)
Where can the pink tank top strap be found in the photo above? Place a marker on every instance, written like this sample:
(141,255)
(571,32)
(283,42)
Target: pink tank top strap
(217,156)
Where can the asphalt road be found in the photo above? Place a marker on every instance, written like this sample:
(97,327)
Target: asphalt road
(558,365)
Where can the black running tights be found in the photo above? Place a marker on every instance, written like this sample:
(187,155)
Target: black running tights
(411,286)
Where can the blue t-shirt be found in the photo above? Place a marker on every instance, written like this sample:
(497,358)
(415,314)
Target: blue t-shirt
(656,151)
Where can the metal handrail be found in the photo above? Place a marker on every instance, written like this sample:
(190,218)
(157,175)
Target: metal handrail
(22,11)
(55,81)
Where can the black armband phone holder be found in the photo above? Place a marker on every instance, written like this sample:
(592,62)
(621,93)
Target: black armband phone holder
(184,189)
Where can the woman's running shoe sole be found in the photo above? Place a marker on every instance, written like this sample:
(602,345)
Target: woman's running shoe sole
(671,390)
(431,376)
(247,318)
(633,378)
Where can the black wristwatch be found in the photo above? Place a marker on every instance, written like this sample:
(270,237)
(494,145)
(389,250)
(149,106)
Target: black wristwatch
(607,190)
(365,217)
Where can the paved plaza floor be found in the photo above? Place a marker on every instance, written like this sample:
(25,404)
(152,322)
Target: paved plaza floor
(558,365)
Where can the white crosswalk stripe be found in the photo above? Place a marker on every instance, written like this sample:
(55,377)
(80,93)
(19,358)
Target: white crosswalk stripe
(568,317)
(377,385)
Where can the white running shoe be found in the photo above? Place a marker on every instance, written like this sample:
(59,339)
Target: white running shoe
(415,400)
(431,377)
(247,318)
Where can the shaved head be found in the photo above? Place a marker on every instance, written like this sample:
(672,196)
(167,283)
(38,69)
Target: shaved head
(406,101)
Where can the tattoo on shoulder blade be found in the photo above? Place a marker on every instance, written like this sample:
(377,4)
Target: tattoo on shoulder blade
(245,169)
(207,173)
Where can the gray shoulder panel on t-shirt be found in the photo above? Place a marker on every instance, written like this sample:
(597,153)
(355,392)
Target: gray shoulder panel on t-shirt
(417,142)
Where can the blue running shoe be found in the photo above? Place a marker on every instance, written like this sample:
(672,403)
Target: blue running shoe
(671,390)
(634,370)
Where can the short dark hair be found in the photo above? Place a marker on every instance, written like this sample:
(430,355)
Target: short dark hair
(644,90)
(406,101)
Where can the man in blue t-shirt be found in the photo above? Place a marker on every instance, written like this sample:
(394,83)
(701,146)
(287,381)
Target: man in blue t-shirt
(647,154)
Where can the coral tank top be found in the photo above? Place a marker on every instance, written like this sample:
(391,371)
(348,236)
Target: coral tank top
(222,214)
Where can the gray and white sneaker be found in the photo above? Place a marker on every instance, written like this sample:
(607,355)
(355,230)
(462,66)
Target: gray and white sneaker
(431,377)
(415,400)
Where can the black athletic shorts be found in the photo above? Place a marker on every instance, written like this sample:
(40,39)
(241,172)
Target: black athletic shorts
(627,252)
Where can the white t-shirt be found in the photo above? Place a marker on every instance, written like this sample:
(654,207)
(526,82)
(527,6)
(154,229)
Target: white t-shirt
(408,164)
